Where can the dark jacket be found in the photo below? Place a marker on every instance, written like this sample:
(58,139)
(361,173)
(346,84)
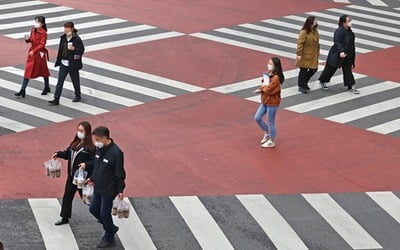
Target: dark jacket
(85,155)
(108,171)
(344,41)
(74,56)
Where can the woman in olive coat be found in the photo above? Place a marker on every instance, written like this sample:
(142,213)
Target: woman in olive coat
(307,53)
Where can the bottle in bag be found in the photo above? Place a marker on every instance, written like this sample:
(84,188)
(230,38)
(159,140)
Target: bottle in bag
(115,207)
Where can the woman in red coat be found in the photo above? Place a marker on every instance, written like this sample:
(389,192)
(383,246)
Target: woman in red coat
(36,63)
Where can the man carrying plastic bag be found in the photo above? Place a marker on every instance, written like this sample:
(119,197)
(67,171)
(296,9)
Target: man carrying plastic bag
(108,178)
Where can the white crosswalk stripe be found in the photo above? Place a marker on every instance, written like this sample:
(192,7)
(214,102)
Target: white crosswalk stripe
(279,36)
(120,87)
(341,221)
(357,109)
(378,3)
(136,231)
(115,31)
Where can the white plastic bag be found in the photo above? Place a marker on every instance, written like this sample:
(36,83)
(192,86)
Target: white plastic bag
(87,194)
(80,178)
(53,168)
(121,208)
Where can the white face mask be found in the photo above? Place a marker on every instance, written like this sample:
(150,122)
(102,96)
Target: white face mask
(270,67)
(99,144)
(349,24)
(36,25)
(80,135)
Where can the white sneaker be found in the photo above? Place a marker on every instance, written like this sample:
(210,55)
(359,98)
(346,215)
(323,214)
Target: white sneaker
(268,144)
(324,85)
(265,138)
(354,90)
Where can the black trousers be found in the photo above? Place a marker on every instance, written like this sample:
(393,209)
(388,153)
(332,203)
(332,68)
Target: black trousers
(69,193)
(62,74)
(348,78)
(305,75)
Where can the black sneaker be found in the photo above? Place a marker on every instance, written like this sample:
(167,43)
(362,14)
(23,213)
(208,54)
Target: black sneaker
(76,99)
(323,85)
(106,244)
(61,222)
(54,102)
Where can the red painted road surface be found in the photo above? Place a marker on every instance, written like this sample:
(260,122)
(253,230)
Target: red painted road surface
(207,144)
(189,59)
(195,16)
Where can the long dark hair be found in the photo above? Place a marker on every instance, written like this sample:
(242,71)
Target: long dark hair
(42,20)
(278,68)
(87,142)
(308,24)
(342,19)
(70,25)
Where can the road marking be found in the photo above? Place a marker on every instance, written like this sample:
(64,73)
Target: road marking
(244,45)
(388,202)
(31,110)
(48,20)
(377,2)
(387,127)
(342,97)
(263,39)
(384,12)
(369,110)
(33,12)
(105,33)
(341,1)
(78,26)
(132,233)
(203,226)
(143,75)
(131,41)
(341,221)
(85,90)
(13,125)
(368,16)
(80,106)
(61,237)
(19,5)
(272,222)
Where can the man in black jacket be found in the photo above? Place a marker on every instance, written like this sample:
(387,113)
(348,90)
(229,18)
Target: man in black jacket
(342,54)
(69,58)
(108,178)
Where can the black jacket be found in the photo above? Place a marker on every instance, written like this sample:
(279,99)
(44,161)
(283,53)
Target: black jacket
(85,155)
(74,56)
(108,171)
(344,41)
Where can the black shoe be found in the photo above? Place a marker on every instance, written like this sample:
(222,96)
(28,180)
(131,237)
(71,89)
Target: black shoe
(106,244)
(116,228)
(61,222)
(303,90)
(76,99)
(54,102)
(307,88)
(45,91)
(21,93)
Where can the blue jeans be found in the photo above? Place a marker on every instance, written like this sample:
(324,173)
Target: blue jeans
(62,74)
(270,111)
(100,207)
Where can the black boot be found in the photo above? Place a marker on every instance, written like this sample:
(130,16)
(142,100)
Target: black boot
(76,99)
(54,102)
(61,222)
(45,91)
(21,93)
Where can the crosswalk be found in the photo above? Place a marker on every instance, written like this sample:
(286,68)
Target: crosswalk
(105,87)
(297,221)
(376,109)
(374,3)
(375,29)
(97,31)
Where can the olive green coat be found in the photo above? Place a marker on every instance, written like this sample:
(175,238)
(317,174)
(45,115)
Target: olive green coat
(308,49)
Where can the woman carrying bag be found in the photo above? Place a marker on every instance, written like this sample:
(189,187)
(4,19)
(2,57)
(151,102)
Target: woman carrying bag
(80,154)
(36,63)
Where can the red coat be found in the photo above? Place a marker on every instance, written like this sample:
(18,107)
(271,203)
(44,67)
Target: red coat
(36,65)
